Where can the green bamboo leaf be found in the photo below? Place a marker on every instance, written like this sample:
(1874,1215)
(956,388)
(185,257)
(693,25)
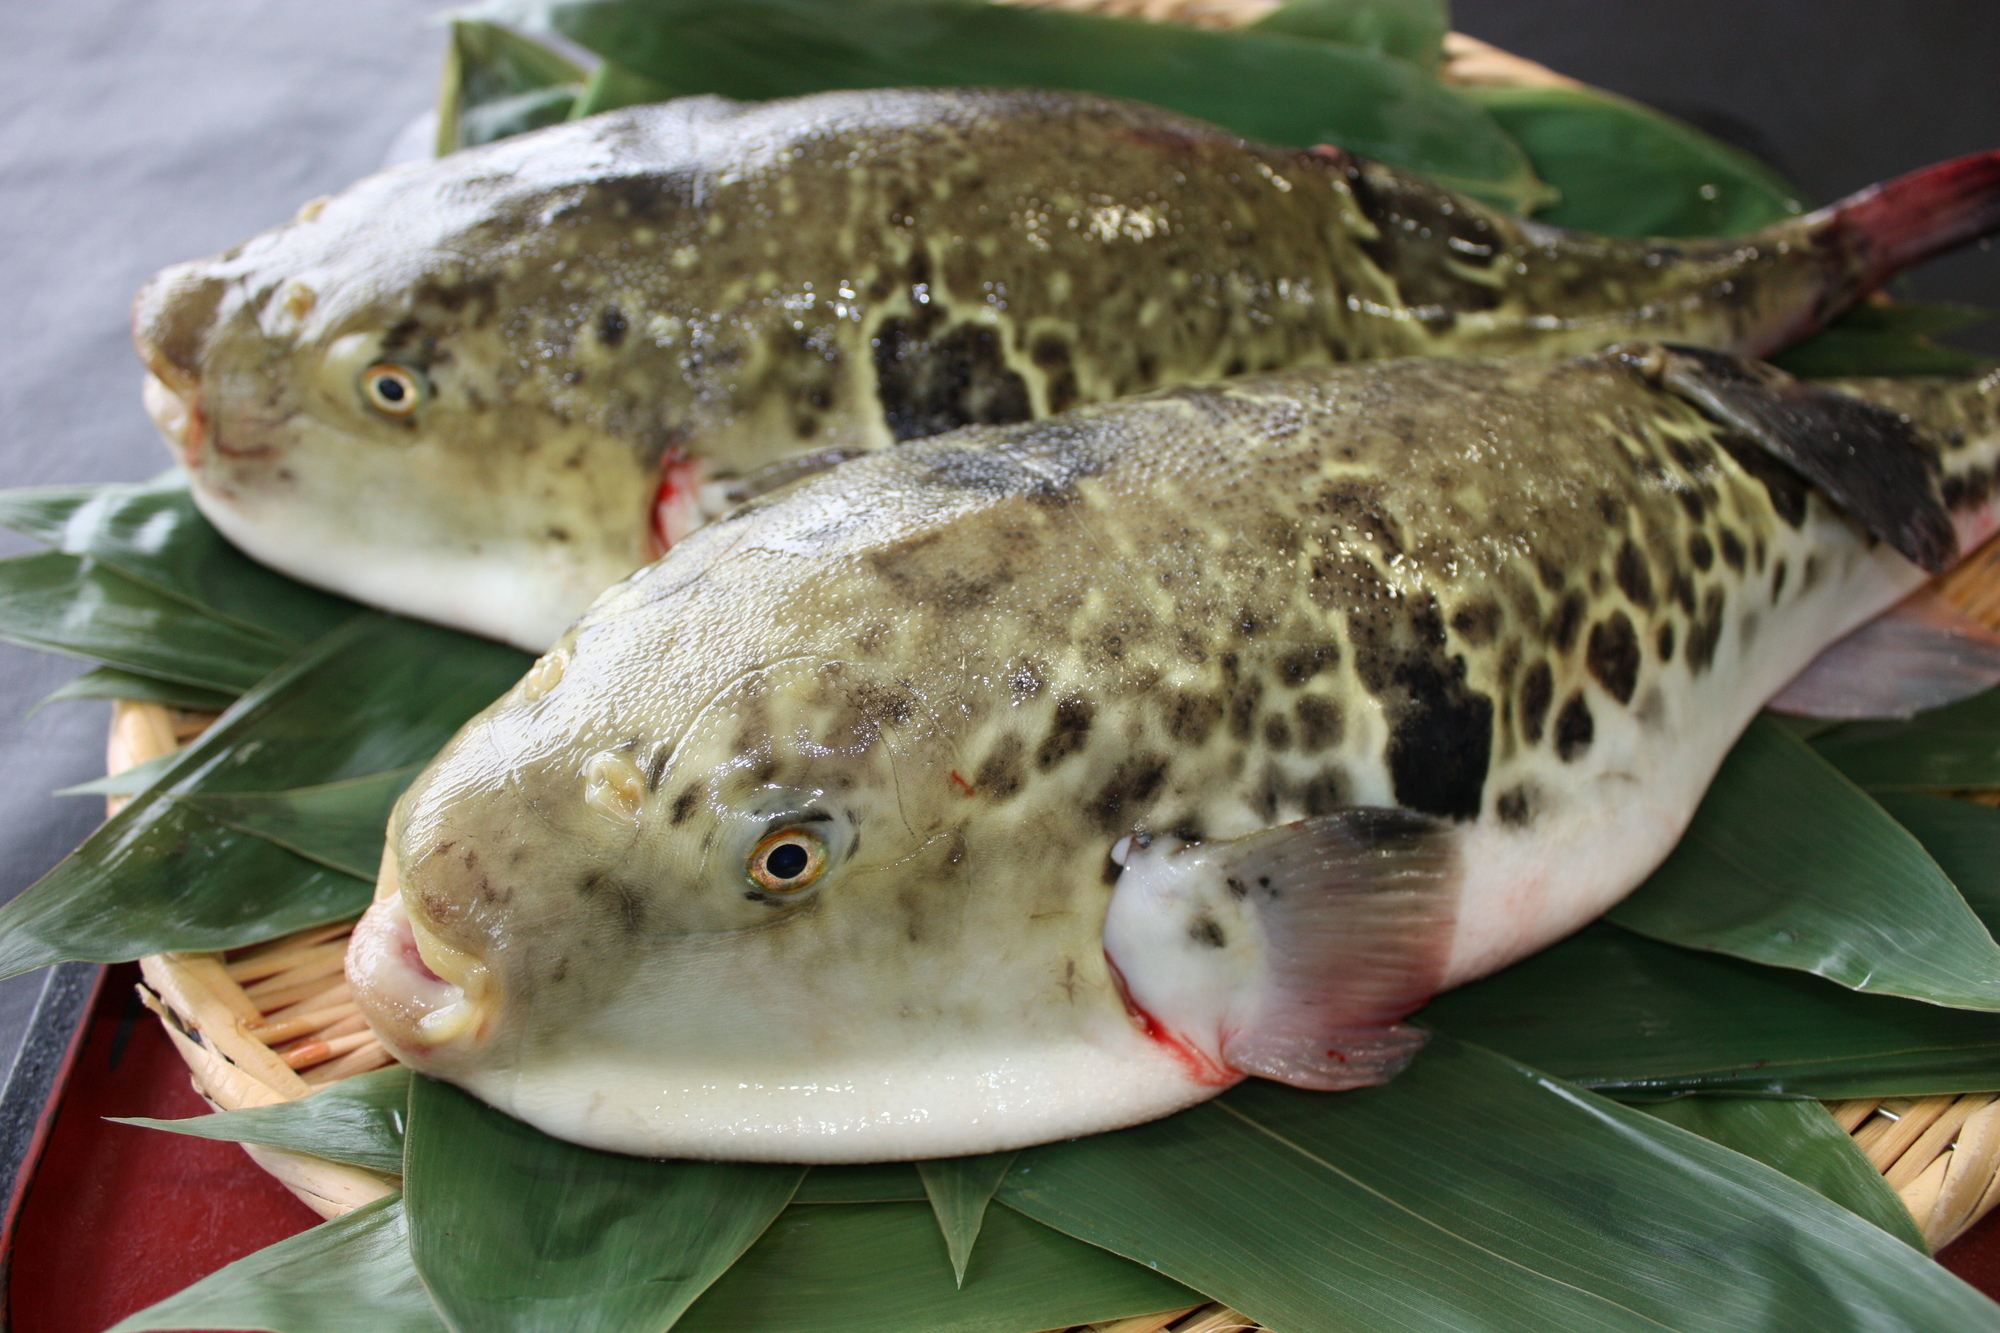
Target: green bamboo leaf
(129,782)
(959,1190)
(1271,87)
(338,824)
(879,1182)
(1473,1192)
(350,1275)
(1800,1138)
(1627,170)
(113,683)
(357,1120)
(1889,339)
(1962,837)
(1951,747)
(378,694)
(612,86)
(1789,863)
(152,533)
(1410,29)
(1625,1015)
(514,1230)
(80,607)
(498,83)
(880,1268)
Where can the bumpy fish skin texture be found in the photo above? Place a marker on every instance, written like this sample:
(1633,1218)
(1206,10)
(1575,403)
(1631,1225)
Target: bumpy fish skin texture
(597,318)
(1055,699)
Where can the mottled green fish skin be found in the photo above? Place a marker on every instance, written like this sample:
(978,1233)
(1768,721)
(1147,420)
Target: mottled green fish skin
(737,284)
(1534,601)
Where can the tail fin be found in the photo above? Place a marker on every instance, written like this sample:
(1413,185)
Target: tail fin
(1920,215)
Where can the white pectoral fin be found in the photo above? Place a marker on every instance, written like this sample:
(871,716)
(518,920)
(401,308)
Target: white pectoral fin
(1292,953)
(1921,653)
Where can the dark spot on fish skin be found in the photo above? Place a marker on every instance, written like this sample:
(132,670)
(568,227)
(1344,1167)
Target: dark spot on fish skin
(999,775)
(1204,931)
(1701,551)
(611,326)
(1190,718)
(685,803)
(1550,573)
(1611,509)
(1680,591)
(1324,793)
(1477,622)
(1515,806)
(1237,888)
(1574,728)
(1664,642)
(1051,353)
(1321,722)
(1778,573)
(1125,793)
(1243,707)
(1691,502)
(656,766)
(1277,735)
(1538,690)
(1568,619)
(1299,667)
(1027,679)
(1705,633)
(1809,577)
(1612,655)
(931,384)
(1746,628)
(1067,735)
(1732,549)
(1413,245)
(1441,739)
(1635,577)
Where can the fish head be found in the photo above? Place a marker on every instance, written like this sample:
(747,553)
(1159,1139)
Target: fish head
(713,880)
(407,396)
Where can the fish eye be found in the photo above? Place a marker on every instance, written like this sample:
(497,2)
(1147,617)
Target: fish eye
(787,861)
(391,389)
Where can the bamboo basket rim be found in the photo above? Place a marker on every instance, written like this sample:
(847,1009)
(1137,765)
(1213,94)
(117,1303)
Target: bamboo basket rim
(274,1022)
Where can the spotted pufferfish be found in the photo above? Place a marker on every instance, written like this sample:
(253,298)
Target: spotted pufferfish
(1031,781)
(483,389)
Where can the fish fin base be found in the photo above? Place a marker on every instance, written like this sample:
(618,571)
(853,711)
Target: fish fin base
(1922,214)
(1866,459)
(1292,953)
(1922,653)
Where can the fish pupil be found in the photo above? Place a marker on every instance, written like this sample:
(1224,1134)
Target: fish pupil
(391,388)
(787,860)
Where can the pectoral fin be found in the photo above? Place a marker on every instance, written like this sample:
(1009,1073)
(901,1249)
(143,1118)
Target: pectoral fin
(1292,953)
(1922,653)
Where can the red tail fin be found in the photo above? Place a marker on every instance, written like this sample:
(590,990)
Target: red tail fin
(1925,213)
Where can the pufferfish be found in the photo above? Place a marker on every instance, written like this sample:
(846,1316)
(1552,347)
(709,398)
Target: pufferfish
(483,389)
(1031,781)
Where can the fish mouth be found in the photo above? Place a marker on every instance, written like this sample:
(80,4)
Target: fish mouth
(178,416)
(423,997)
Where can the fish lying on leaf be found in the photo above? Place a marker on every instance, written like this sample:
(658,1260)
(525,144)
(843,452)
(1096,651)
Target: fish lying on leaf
(483,389)
(1034,780)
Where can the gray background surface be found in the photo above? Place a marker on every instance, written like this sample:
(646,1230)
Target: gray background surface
(136,133)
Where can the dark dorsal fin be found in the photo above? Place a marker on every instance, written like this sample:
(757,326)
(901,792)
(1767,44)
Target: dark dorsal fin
(1866,459)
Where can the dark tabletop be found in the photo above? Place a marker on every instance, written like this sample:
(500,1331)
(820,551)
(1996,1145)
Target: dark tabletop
(139,132)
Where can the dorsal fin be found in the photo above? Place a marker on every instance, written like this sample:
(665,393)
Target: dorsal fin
(1866,459)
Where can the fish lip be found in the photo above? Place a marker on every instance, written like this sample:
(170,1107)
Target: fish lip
(178,416)
(423,998)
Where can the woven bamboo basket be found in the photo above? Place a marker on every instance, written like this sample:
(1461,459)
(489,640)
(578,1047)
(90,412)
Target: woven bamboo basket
(276,1021)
